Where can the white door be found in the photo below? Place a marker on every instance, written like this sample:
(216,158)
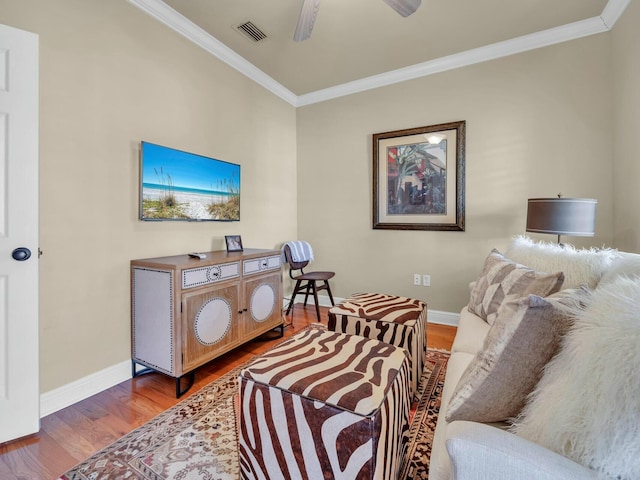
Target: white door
(19,369)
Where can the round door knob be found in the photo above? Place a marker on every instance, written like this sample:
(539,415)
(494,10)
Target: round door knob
(21,254)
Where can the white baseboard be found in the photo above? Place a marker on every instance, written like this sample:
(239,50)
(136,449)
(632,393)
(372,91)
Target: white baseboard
(323,300)
(434,316)
(443,318)
(73,392)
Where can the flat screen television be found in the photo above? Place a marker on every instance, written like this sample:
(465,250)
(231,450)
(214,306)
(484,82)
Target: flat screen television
(177,185)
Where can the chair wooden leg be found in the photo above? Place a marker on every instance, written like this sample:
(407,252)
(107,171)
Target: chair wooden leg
(293,296)
(315,298)
(326,283)
(308,291)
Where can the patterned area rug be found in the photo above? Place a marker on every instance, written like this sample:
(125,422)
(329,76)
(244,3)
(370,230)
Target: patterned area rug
(423,422)
(196,439)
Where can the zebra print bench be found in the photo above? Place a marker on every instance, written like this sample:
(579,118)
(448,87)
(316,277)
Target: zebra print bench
(399,321)
(325,405)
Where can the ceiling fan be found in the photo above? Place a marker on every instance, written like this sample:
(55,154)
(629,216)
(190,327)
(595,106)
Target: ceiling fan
(309,12)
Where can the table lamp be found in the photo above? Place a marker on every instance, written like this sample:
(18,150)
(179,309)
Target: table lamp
(575,217)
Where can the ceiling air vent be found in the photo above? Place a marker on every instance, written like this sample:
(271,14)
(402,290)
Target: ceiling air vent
(252,32)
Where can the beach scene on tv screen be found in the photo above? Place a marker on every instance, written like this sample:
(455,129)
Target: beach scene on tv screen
(177,185)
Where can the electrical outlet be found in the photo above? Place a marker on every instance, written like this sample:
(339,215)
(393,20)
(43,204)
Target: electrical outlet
(426,280)
(416,279)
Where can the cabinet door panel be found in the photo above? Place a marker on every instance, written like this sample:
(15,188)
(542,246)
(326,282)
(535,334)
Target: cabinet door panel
(209,324)
(263,304)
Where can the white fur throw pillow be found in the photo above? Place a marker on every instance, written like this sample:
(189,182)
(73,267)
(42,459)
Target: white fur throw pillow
(587,405)
(502,279)
(523,338)
(580,266)
(625,264)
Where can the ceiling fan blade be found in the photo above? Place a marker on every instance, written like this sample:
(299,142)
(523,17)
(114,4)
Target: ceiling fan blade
(306,19)
(404,7)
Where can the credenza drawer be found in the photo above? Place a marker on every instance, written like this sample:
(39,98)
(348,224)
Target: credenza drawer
(196,277)
(263,264)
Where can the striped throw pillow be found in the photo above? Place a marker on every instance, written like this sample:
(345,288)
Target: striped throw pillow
(503,279)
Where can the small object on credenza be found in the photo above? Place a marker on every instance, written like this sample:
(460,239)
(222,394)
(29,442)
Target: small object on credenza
(201,256)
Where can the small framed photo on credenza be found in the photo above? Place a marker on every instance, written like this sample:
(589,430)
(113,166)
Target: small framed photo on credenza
(234,243)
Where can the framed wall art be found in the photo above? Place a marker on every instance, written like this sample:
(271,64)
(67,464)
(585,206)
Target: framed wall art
(234,243)
(418,178)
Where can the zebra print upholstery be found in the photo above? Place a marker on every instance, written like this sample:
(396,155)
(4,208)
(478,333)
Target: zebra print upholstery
(325,405)
(399,321)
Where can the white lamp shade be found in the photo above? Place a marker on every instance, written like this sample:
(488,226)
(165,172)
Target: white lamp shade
(575,217)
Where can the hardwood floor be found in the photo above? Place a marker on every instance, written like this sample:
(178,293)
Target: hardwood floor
(72,434)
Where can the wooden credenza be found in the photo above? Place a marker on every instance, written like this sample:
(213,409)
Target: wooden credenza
(186,311)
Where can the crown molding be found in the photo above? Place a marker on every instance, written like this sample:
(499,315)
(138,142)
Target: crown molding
(177,22)
(612,12)
(185,27)
(513,46)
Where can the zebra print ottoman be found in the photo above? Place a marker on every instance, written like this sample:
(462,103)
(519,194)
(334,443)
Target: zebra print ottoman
(325,405)
(399,321)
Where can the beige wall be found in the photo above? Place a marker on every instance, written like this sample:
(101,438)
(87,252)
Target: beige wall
(626,123)
(538,123)
(111,76)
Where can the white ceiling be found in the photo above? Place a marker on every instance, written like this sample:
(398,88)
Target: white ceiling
(362,44)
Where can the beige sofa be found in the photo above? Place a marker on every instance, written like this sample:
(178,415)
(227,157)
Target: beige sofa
(465,449)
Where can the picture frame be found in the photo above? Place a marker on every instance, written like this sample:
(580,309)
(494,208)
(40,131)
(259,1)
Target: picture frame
(419,178)
(234,243)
